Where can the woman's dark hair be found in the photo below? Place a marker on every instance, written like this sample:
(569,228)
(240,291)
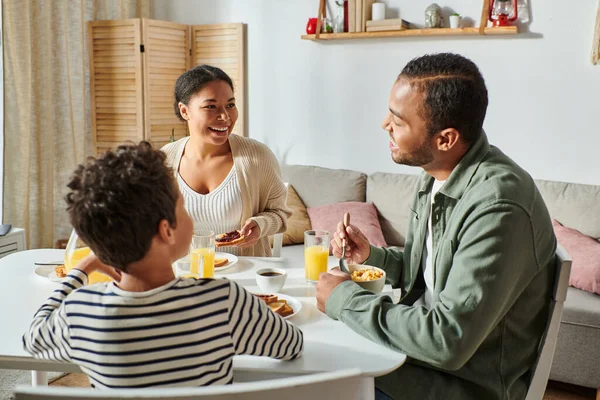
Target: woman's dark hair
(454,92)
(193,80)
(117,201)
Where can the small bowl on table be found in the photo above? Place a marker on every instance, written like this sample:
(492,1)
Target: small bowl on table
(372,285)
(271,280)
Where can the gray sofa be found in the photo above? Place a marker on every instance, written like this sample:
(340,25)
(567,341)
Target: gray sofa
(577,356)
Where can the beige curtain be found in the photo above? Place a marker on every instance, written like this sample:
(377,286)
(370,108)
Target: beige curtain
(596,42)
(46,118)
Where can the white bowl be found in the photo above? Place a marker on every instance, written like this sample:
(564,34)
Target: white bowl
(375,286)
(273,283)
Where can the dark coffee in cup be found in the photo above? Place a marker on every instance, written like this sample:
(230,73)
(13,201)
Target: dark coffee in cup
(270,274)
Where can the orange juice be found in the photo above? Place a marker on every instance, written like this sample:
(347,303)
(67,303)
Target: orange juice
(199,269)
(315,261)
(72,258)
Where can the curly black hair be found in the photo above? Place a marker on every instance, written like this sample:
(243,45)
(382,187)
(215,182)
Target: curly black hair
(192,81)
(117,201)
(454,91)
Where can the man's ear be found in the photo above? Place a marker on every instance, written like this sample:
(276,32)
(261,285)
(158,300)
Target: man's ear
(165,232)
(447,139)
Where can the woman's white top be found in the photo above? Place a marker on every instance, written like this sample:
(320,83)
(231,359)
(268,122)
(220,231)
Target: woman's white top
(219,211)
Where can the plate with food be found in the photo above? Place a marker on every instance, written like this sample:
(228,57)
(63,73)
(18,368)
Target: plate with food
(54,273)
(229,239)
(224,261)
(281,304)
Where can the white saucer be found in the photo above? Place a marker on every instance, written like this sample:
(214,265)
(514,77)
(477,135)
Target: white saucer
(232,260)
(47,272)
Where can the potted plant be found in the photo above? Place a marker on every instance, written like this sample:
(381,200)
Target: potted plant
(455,21)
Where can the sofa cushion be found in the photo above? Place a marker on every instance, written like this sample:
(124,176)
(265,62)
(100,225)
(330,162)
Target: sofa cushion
(574,205)
(392,195)
(362,215)
(318,186)
(299,222)
(585,253)
(582,308)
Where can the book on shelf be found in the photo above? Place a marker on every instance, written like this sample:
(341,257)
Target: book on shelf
(352,16)
(386,28)
(358,15)
(388,22)
(366,13)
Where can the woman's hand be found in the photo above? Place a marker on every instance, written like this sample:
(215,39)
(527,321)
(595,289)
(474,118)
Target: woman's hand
(251,232)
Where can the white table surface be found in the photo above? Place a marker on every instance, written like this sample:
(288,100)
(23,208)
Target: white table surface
(329,345)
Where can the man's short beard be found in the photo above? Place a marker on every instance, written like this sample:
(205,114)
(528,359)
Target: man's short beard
(419,157)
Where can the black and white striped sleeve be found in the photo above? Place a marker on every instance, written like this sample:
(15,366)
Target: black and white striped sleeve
(258,331)
(48,334)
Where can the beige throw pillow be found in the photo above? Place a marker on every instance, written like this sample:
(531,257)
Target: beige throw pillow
(298,222)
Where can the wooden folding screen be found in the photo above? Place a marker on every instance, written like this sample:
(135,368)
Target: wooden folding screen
(133,68)
(166,56)
(115,83)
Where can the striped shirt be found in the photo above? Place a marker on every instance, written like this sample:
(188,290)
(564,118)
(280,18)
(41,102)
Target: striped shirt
(184,333)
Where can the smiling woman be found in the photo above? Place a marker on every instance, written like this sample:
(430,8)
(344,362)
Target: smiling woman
(228,182)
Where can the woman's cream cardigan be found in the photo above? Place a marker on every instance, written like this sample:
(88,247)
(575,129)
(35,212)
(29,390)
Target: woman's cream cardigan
(264,194)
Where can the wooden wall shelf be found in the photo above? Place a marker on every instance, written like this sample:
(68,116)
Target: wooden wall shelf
(508,30)
(481,30)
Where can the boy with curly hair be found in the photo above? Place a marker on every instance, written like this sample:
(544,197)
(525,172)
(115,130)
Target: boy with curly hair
(148,328)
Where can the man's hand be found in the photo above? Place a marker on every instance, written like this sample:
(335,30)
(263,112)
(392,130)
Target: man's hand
(358,248)
(92,263)
(251,232)
(327,282)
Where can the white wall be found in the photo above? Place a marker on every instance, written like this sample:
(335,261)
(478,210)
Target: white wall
(322,103)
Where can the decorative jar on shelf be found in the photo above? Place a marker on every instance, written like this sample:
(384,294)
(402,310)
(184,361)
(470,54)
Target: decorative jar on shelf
(503,12)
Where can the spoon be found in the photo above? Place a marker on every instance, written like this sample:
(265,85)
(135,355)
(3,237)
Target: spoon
(343,262)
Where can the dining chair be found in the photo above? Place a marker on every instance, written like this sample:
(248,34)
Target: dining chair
(342,384)
(541,370)
(278,239)
(277,243)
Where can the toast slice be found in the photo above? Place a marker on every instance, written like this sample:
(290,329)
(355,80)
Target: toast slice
(229,239)
(287,310)
(221,262)
(60,271)
(277,306)
(267,298)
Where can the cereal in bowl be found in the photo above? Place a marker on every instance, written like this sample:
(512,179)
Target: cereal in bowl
(366,274)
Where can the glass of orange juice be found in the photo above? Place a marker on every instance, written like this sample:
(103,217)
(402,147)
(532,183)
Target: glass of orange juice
(76,251)
(316,254)
(202,255)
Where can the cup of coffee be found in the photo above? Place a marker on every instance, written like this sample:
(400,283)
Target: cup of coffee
(271,280)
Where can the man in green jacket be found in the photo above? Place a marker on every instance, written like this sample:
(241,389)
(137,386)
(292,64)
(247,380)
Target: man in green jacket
(478,267)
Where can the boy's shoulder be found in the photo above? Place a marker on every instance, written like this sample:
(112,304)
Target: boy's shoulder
(108,293)
(90,293)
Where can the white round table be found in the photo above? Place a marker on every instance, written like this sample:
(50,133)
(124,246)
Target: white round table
(328,345)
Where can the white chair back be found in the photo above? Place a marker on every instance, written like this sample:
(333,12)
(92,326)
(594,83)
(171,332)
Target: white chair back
(278,240)
(541,371)
(322,386)
(277,244)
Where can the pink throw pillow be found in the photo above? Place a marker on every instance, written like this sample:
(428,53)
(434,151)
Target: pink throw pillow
(585,252)
(362,215)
